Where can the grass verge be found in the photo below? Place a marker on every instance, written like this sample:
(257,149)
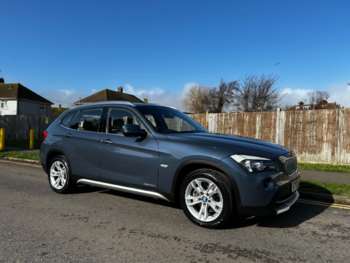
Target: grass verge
(24,154)
(324,167)
(325,188)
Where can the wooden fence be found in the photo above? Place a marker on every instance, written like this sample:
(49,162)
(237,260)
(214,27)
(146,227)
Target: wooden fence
(315,135)
(17,129)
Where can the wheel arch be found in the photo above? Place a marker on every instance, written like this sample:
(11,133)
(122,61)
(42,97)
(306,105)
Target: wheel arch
(50,155)
(192,165)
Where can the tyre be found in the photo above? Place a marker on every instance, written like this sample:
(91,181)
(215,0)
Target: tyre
(206,198)
(60,178)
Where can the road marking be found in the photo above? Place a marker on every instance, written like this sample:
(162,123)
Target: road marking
(312,202)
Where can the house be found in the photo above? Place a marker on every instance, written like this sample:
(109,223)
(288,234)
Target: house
(109,95)
(322,105)
(325,105)
(16,99)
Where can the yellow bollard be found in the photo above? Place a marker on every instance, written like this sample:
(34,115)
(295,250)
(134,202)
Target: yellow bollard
(2,139)
(31,139)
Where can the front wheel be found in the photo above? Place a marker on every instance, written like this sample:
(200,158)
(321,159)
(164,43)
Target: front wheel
(206,198)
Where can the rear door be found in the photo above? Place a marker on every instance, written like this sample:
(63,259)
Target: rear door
(82,142)
(128,160)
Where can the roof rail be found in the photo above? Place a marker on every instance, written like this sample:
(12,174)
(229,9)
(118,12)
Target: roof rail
(111,102)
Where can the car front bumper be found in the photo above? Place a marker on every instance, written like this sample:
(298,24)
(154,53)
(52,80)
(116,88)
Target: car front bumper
(284,197)
(286,204)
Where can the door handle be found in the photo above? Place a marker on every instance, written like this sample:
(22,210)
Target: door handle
(106,141)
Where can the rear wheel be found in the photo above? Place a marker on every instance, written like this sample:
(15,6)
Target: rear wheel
(60,178)
(206,198)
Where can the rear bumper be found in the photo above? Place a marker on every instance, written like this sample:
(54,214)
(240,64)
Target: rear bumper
(43,154)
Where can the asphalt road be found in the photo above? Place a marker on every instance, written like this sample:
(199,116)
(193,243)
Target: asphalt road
(37,225)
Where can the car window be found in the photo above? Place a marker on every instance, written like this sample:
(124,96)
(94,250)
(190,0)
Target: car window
(168,120)
(151,119)
(118,118)
(174,123)
(87,120)
(68,118)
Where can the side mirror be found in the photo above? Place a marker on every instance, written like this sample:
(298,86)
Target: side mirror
(133,130)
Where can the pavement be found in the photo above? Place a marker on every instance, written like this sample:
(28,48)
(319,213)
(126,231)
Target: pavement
(95,225)
(326,177)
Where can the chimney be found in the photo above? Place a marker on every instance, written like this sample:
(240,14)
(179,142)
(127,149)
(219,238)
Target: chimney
(2,80)
(120,89)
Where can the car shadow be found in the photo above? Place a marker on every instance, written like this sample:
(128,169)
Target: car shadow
(84,189)
(140,198)
(300,212)
(81,188)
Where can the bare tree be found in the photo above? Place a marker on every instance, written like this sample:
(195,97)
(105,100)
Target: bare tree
(197,99)
(200,99)
(257,93)
(315,97)
(223,95)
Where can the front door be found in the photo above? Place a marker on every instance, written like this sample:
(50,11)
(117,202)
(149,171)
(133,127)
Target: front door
(128,160)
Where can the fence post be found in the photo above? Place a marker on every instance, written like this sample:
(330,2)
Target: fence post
(31,139)
(277,125)
(2,139)
(280,122)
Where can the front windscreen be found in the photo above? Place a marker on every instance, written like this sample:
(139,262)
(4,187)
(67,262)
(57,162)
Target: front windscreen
(168,120)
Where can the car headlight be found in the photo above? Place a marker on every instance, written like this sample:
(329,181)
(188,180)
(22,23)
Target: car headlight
(254,164)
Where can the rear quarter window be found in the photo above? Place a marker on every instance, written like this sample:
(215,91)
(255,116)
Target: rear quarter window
(86,120)
(67,119)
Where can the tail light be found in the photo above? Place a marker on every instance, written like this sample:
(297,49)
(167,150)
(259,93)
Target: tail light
(45,134)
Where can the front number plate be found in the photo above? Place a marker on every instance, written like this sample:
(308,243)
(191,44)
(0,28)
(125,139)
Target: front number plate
(295,185)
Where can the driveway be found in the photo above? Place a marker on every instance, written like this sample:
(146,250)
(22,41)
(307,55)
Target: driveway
(96,225)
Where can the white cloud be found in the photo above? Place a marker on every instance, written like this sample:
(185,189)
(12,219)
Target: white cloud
(290,96)
(66,92)
(338,94)
(65,97)
(188,86)
(159,95)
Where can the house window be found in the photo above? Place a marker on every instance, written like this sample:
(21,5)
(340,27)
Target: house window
(2,104)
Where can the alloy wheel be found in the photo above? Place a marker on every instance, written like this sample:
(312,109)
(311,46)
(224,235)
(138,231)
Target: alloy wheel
(58,175)
(204,199)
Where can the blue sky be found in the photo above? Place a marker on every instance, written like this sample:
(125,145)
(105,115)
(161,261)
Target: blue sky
(68,49)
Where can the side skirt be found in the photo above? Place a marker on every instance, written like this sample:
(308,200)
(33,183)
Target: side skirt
(123,189)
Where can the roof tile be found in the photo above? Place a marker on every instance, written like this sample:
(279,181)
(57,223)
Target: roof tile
(18,91)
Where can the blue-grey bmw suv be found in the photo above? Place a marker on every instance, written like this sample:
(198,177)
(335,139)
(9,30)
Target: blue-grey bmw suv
(159,152)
